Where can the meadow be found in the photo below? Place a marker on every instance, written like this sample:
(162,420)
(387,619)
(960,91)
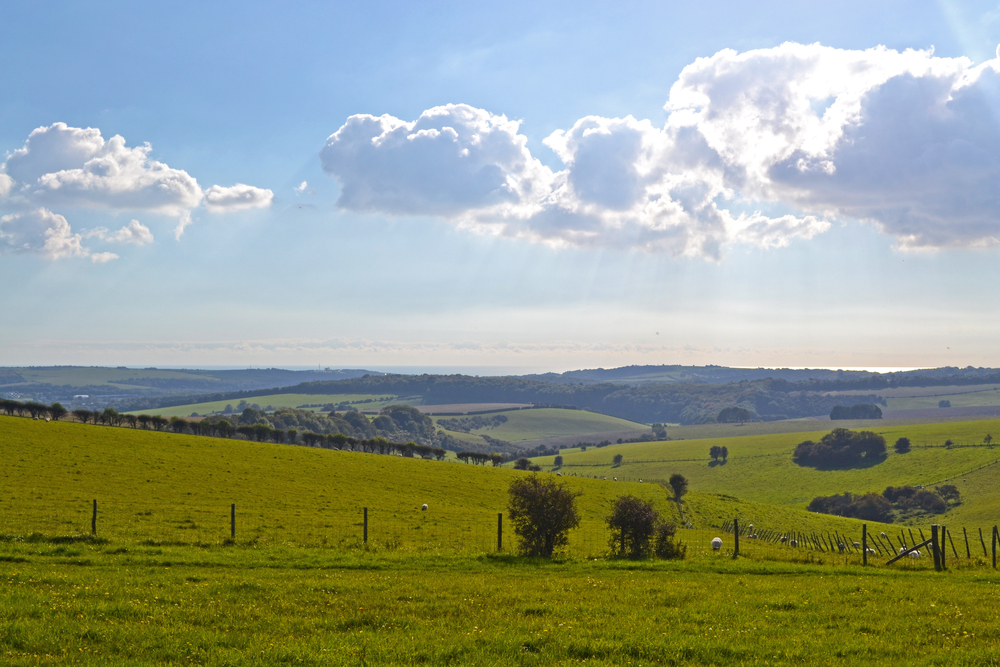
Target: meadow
(108,604)
(760,467)
(542,423)
(162,583)
(363,401)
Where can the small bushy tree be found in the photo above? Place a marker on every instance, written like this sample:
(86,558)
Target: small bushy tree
(679,484)
(558,461)
(618,459)
(632,522)
(542,512)
(902,446)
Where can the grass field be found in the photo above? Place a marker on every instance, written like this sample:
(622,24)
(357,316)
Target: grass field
(162,584)
(274,400)
(112,605)
(542,423)
(82,376)
(760,468)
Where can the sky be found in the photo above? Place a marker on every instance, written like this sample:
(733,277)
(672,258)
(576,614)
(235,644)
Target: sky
(524,186)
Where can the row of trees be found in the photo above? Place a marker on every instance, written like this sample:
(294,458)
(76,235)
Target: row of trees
(479,458)
(543,512)
(859,411)
(32,409)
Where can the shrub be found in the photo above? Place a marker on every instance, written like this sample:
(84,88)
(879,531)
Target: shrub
(618,459)
(902,446)
(944,403)
(663,542)
(558,461)
(542,512)
(632,522)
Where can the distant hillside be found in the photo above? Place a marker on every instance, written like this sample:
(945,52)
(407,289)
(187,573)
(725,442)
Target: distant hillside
(637,375)
(61,383)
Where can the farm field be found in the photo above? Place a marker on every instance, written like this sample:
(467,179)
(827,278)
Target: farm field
(275,401)
(83,376)
(105,604)
(760,468)
(542,423)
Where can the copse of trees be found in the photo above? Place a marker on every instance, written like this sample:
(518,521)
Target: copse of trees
(881,507)
(841,448)
(859,411)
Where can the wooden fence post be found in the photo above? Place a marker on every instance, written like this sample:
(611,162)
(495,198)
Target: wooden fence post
(952,543)
(983,542)
(944,547)
(365,540)
(968,553)
(232,521)
(864,544)
(736,538)
(93,520)
(499,531)
(994,547)
(934,547)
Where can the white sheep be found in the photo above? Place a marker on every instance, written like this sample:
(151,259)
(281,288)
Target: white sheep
(616,479)
(558,474)
(604,478)
(424,507)
(794,543)
(870,551)
(716,543)
(857,545)
(915,554)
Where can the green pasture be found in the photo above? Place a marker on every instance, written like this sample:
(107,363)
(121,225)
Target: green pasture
(960,397)
(275,401)
(179,488)
(760,468)
(109,604)
(541,423)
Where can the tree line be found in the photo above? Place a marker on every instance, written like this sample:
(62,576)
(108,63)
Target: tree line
(881,507)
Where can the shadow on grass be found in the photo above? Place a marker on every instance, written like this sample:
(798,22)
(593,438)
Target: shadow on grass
(860,464)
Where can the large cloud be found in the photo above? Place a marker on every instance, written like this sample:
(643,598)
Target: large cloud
(906,141)
(69,167)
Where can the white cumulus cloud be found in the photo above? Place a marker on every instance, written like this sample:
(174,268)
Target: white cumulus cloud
(40,232)
(239,197)
(69,167)
(903,140)
(134,232)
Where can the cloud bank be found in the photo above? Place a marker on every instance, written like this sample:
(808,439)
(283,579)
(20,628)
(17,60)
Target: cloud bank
(905,141)
(69,167)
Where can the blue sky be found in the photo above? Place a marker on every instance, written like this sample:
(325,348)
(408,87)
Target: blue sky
(596,195)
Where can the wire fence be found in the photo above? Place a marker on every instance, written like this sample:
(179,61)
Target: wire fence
(451,530)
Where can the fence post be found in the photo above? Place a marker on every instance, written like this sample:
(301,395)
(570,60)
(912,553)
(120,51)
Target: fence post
(232,521)
(944,546)
(499,531)
(864,544)
(365,540)
(736,538)
(934,547)
(968,553)
(93,520)
(994,547)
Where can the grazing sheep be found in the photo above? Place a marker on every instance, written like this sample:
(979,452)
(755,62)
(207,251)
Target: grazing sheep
(604,478)
(794,543)
(857,545)
(915,554)
(783,539)
(558,474)
(424,507)
(640,481)
(716,543)
(750,528)
(841,547)
(870,551)
(616,479)
(902,549)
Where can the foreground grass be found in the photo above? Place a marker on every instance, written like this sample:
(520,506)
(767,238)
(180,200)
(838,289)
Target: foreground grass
(107,604)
